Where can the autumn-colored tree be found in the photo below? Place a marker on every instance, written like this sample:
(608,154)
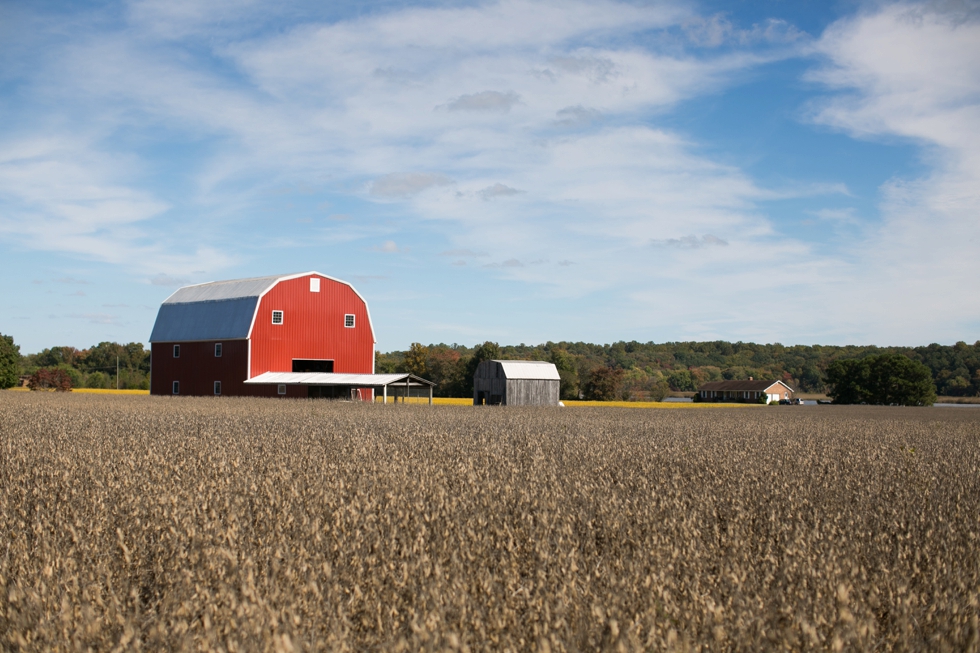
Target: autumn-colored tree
(50,378)
(416,359)
(447,368)
(604,384)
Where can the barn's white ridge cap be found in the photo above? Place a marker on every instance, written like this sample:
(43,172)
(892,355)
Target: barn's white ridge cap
(539,370)
(228,289)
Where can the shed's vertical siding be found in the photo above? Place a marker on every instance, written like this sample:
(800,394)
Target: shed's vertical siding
(532,392)
(489,381)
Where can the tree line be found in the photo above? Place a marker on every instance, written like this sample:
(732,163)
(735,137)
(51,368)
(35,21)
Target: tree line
(649,371)
(94,367)
(621,370)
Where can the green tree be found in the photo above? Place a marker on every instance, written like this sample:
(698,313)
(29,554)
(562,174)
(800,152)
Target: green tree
(97,380)
(658,390)
(385,363)
(882,379)
(565,365)
(416,359)
(810,380)
(57,356)
(9,362)
(682,380)
(604,384)
(102,358)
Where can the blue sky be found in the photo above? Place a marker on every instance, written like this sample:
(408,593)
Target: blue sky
(517,171)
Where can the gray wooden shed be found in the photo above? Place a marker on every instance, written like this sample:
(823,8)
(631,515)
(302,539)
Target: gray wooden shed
(516,383)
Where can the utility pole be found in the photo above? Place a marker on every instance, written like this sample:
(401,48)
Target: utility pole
(117,371)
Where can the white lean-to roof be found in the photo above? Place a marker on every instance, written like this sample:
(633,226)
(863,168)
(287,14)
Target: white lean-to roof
(324,378)
(220,310)
(537,370)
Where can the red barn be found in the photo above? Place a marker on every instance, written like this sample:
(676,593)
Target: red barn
(211,338)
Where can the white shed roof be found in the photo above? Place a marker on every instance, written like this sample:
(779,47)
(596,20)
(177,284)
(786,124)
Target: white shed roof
(539,370)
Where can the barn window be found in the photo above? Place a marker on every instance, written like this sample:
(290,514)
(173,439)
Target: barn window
(277,317)
(176,387)
(217,350)
(314,284)
(217,387)
(349,321)
(176,351)
(282,388)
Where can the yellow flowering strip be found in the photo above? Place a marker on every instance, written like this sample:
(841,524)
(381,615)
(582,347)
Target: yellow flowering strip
(653,404)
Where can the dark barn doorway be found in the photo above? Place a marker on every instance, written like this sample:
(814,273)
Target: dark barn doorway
(309,366)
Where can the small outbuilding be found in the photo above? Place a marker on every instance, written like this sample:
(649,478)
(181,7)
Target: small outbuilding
(750,391)
(516,383)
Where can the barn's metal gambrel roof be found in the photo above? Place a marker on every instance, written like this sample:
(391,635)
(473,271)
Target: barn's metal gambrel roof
(537,370)
(221,310)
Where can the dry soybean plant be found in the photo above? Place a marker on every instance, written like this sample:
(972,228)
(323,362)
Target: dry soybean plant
(252,524)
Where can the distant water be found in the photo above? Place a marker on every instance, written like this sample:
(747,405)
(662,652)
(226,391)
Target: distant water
(957,405)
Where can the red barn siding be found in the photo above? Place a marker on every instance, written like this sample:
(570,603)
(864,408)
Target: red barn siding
(313,327)
(198,368)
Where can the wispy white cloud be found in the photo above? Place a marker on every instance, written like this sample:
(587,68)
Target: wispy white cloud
(912,71)
(717,30)
(404,185)
(484,101)
(692,242)
(577,116)
(462,252)
(498,190)
(389,247)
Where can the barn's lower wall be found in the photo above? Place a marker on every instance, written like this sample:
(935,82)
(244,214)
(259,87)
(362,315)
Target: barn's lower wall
(532,392)
(197,368)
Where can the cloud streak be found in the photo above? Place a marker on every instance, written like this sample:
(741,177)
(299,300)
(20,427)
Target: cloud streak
(493,101)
